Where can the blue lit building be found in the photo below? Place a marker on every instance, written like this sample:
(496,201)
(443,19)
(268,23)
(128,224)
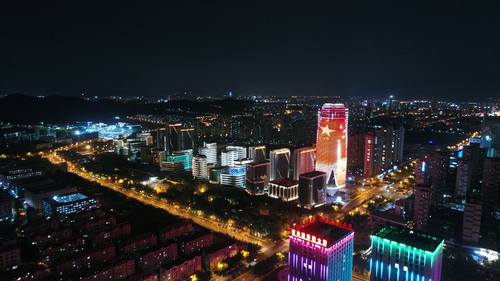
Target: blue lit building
(404,254)
(61,205)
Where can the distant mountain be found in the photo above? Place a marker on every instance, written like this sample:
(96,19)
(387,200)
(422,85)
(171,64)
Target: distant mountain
(22,109)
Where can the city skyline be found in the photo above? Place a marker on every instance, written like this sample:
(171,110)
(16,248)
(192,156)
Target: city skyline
(410,50)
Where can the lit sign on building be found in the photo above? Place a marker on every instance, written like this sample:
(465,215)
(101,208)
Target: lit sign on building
(310,238)
(331,144)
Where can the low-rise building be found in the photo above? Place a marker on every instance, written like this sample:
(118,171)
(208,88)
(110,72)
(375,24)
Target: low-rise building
(154,257)
(180,268)
(195,242)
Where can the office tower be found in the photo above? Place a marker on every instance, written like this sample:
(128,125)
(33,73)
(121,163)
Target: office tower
(312,189)
(490,188)
(441,189)
(331,144)
(402,254)
(161,138)
(257,153)
(257,177)
(422,206)
(286,189)
(228,157)
(472,220)
(209,150)
(422,171)
(320,250)
(187,138)
(280,163)
(242,151)
(173,138)
(200,167)
(304,160)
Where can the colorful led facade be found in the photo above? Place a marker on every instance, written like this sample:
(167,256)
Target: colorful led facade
(400,253)
(321,249)
(331,144)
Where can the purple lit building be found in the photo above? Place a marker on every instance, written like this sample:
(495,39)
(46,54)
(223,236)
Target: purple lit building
(321,249)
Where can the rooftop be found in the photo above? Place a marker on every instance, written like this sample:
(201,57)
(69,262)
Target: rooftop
(326,229)
(69,197)
(312,174)
(409,237)
(285,182)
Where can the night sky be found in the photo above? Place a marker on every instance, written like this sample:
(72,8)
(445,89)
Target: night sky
(411,49)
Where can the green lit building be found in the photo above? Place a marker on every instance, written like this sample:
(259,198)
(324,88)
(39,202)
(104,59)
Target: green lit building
(404,254)
(180,158)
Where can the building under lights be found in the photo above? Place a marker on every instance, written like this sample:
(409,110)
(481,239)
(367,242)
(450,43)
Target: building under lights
(304,160)
(257,153)
(331,144)
(404,254)
(280,163)
(321,249)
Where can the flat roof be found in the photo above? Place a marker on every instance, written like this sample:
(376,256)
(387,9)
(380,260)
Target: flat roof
(285,182)
(409,237)
(66,198)
(326,229)
(312,174)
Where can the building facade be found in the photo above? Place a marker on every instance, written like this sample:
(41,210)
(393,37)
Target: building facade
(321,249)
(331,144)
(312,189)
(304,161)
(403,254)
(280,163)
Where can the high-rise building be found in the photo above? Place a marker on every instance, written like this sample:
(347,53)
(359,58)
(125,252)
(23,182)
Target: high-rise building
(331,144)
(490,188)
(257,177)
(312,189)
(286,189)
(173,138)
(403,254)
(422,171)
(490,130)
(383,149)
(422,206)
(441,188)
(321,249)
(304,160)
(280,163)
(200,167)
(257,153)
(187,138)
(472,220)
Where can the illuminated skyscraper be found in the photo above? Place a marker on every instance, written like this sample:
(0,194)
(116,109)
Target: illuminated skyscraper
(321,249)
(257,153)
(280,163)
(304,159)
(331,144)
(402,254)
